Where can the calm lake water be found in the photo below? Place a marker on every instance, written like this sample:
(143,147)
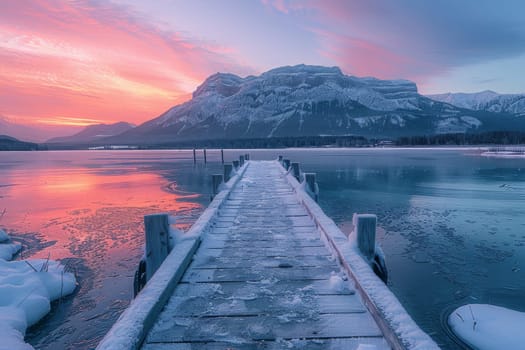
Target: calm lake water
(452,224)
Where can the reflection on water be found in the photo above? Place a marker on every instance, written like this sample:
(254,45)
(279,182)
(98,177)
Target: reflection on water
(452,224)
(87,208)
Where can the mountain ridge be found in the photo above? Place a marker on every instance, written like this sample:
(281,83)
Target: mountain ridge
(485,100)
(306,100)
(94,133)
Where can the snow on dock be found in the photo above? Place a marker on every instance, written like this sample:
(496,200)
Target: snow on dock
(263,267)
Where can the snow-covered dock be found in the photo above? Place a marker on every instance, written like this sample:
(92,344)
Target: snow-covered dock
(265,268)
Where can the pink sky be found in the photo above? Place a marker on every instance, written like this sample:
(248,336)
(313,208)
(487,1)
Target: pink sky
(88,61)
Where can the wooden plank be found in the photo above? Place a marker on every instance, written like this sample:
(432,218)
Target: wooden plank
(265,221)
(276,287)
(185,329)
(210,262)
(243,274)
(256,304)
(246,239)
(375,343)
(260,243)
(242,230)
(270,235)
(250,253)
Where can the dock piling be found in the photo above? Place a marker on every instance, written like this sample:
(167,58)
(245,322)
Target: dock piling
(365,228)
(216,180)
(296,171)
(235,164)
(281,159)
(204,152)
(227,172)
(286,164)
(222,156)
(194,157)
(241,160)
(246,156)
(312,185)
(157,241)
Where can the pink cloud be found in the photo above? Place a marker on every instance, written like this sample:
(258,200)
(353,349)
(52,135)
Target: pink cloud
(97,60)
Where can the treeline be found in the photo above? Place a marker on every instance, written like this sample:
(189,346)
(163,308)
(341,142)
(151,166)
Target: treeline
(273,142)
(490,138)
(11,144)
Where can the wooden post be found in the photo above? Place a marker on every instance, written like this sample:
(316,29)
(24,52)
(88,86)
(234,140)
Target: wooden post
(216,180)
(296,171)
(312,185)
(227,172)
(222,156)
(204,152)
(365,228)
(241,160)
(246,156)
(286,163)
(236,164)
(194,157)
(157,241)
(281,159)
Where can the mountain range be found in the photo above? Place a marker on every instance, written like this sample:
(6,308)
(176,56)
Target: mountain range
(94,133)
(308,100)
(485,101)
(312,100)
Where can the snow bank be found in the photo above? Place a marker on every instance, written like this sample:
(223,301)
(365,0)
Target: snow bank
(27,288)
(7,248)
(3,236)
(488,327)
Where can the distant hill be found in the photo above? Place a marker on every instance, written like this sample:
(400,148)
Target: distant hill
(94,133)
(304,101)
(485,101)
(33,133)
(8,143)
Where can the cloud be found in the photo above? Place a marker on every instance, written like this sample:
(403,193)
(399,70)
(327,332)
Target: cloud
(97,60)
(411,38)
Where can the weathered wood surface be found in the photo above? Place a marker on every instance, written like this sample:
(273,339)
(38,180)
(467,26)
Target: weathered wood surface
(263,279)
(157,241)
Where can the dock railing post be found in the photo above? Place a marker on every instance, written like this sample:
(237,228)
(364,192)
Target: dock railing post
(227,172)
(312,185)
(296,171)
(241,160)
(216,180)
(222,156)
(194,157)
(204,152)
(365,228)
(157,241)
(286,164)
(235,164)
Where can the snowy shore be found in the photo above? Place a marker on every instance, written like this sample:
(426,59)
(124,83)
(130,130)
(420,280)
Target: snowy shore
(27,288)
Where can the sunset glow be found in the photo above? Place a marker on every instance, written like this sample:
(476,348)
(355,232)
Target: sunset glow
(86,62)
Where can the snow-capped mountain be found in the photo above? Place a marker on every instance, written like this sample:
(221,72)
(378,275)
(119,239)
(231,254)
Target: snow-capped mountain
(94,133)
(307,101)
(485,100)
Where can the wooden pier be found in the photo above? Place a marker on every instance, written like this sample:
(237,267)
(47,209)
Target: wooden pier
(264,268)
